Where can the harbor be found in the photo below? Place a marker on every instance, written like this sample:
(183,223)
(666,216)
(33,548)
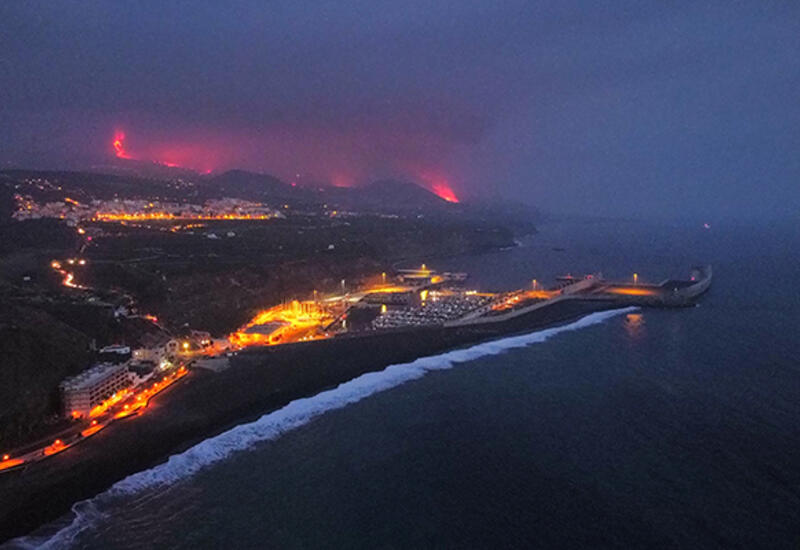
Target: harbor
(341,339)
(419,313)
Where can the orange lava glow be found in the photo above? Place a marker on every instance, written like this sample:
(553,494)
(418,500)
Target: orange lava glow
(444,191)
(119,146)
(340,180)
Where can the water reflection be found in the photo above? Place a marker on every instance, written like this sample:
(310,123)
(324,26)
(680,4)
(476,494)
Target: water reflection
(634,325)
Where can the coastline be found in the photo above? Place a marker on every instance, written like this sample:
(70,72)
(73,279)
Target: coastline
(208,404)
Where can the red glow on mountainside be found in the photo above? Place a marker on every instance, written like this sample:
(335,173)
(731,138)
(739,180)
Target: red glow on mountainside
(437,182)
(444,191)
(119,146)
(340,180)
(169,155)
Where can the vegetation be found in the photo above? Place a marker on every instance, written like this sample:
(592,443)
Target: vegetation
(38,352)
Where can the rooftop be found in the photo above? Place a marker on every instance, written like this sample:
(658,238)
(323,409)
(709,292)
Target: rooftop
(90,376)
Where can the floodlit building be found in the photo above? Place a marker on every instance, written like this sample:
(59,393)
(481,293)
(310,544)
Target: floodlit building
(81,393)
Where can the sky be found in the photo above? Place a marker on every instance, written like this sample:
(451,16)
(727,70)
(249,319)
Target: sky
(640,109)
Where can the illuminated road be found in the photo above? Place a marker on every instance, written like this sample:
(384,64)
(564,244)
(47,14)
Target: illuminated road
(128,403)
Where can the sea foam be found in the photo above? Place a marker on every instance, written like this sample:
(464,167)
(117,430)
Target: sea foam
(295,414)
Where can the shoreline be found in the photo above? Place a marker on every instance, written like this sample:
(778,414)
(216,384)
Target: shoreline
(208,404)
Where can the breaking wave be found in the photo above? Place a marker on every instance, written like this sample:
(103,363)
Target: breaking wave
(295,414)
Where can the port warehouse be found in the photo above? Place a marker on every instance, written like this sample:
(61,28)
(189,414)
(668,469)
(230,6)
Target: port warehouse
(574,298)
(428,306)
(429,302)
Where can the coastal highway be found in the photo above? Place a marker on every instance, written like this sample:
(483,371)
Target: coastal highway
(207,403)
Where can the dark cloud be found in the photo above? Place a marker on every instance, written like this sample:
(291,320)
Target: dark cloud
(630,108)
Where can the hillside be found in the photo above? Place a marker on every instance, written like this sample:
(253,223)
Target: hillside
(381,197)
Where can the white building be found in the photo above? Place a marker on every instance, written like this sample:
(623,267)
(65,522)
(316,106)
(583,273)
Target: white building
(156,349)
(81,393)
(119,349)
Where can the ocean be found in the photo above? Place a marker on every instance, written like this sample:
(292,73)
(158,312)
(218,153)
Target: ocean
(626,429)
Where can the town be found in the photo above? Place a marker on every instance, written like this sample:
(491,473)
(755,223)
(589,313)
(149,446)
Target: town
(125,210)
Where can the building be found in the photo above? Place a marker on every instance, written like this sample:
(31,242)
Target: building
(81,393)
(141,371)
(156,347)
(115,353)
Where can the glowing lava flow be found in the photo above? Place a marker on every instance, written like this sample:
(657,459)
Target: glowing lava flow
(119,146)
(444,191)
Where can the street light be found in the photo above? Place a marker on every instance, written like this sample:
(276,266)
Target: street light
(635,278)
